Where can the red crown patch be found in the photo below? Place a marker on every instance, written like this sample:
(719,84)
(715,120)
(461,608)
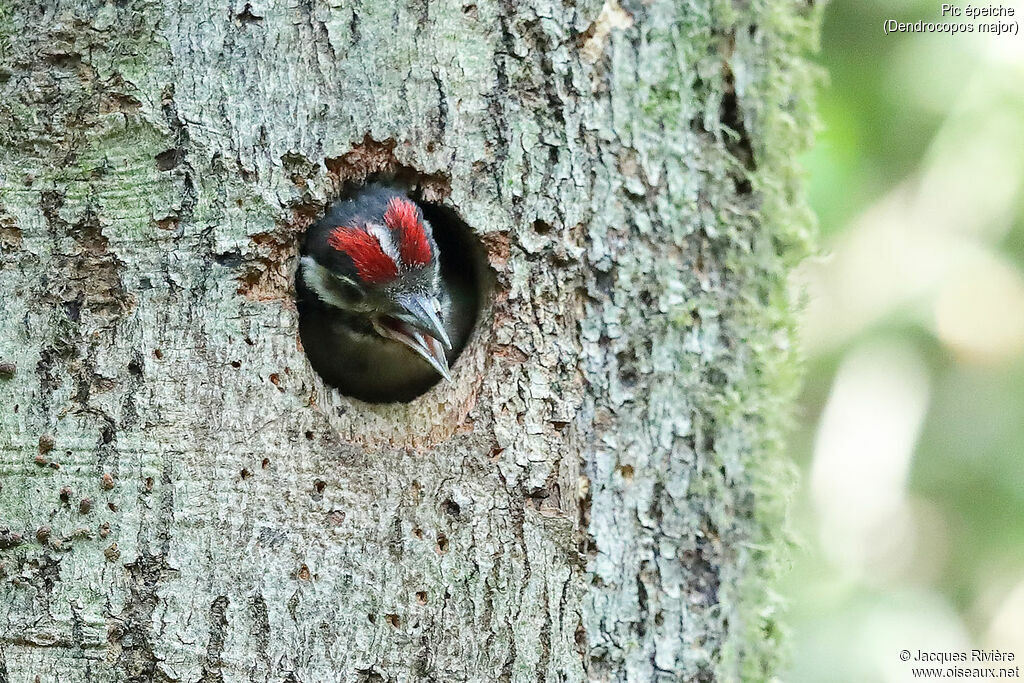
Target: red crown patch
(403,217)
(369,259)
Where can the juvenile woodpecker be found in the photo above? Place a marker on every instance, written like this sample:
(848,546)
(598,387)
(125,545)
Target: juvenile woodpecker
(376,316)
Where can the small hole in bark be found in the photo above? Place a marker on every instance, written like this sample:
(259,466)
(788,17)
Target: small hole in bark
(246,474)
(451,507)
(236,364)
(336,517)
(265,463)
(247,16)
(169,159)
(148,484)
(417,532)
(158,354)
(394,620)
(319,485)
(376,305)
(46,444)
(421,597)
(112,507)
(309,435)
(442,543)
(7,371)
(372,618)
(303,573)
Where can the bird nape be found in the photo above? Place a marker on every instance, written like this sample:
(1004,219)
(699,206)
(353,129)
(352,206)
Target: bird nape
(377,316)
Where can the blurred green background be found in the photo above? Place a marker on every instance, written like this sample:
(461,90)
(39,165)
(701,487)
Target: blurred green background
(911,438)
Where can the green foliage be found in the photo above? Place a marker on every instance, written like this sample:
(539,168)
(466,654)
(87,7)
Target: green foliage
(918,184)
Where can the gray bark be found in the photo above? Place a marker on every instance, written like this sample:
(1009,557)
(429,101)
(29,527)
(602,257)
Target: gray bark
(600,494)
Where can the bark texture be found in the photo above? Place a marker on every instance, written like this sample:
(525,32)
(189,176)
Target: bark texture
(600,493)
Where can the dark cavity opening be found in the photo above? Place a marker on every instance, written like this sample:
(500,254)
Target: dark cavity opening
(343,339)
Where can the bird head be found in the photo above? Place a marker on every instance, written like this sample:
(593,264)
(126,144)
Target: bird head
(380,265)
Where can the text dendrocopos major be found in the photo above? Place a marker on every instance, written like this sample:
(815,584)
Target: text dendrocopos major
(377,318)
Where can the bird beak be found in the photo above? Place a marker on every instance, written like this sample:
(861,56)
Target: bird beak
(419,328)
(422,313)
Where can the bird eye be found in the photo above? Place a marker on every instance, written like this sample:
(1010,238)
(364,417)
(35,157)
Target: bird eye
(348,290)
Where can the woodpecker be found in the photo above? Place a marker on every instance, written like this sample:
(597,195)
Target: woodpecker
(378,318)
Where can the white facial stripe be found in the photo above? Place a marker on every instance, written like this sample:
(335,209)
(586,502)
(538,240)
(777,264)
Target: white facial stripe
(318,277)
(387,243)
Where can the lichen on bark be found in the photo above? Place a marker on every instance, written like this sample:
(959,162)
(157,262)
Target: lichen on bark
(600,494)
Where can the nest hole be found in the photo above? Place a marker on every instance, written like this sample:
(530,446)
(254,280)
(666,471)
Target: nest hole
(356,323)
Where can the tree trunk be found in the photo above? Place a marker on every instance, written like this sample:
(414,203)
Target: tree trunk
(599,495)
